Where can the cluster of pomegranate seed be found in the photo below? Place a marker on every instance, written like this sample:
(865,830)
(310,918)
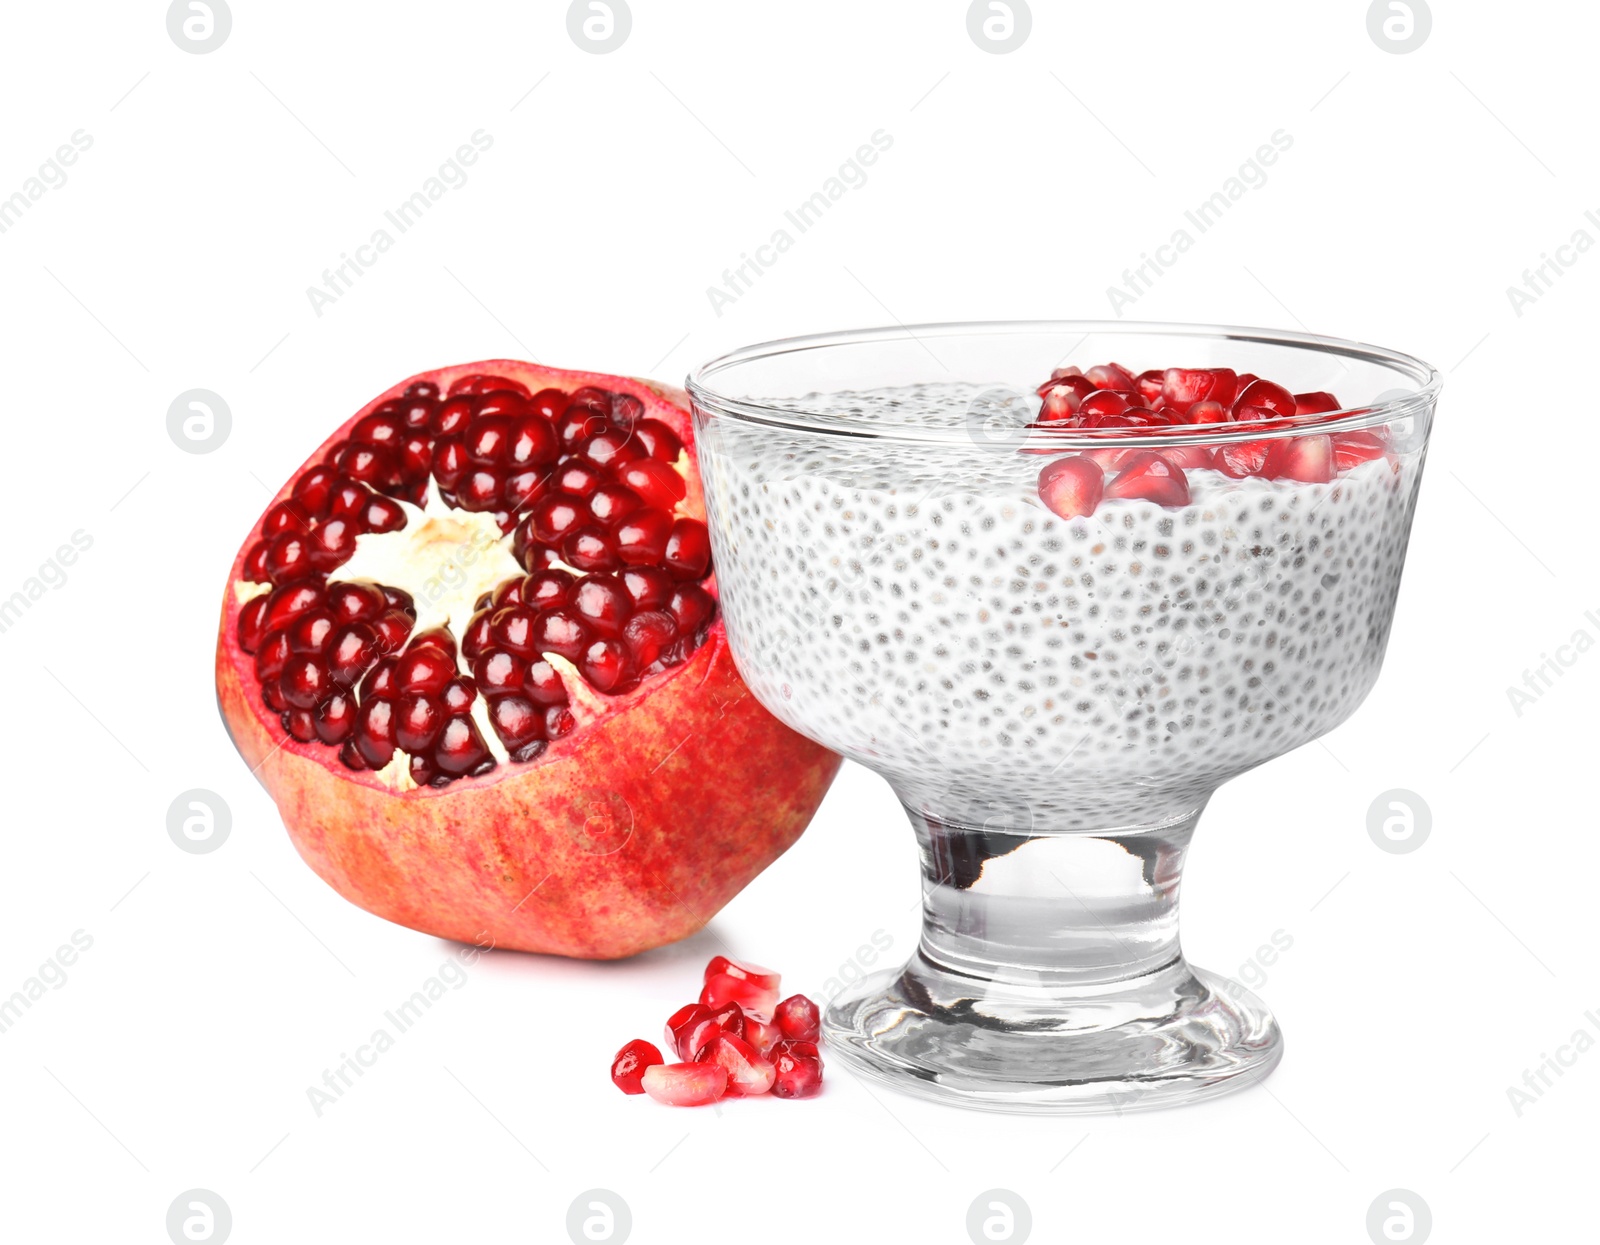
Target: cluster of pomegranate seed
(738,1039)
(1109,396)
(586,486)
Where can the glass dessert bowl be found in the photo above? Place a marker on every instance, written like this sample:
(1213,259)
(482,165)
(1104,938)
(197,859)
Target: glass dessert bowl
(1056,617)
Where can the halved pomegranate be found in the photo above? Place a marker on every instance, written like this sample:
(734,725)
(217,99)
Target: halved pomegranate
(472,650)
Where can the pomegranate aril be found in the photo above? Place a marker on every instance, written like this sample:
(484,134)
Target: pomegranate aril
(742,970)
(692,607)
(646,634)
(580,422)
(522,489)
(547,589)
(355,602)
(1244,413)
(750,995)
(479,490)
(532,441)
(1307,459)
(383,515)
(730,1018)
(659,441)
(1318,402)
(255,564)
(352,652)
(1149,385)
(310,632)
(685,1084)
(749,1072)
(249,627)
(486,438)
(1242,458)
(416,409)
(649,586)
(763,1035)
(592,398)
(612,502)
(685,1024)
(1274,398)
(335,718)
(516,720)
(558,721)
(610,447)
(1350,449)
(289,558)
(549,403)
(512,628)
(314,489)
(1103,402)
(657,483)
(542,685)
(642,537)
(423,668)
(591,548)
(418,720)
(487,382)
(1071,487)
(301,724)
(458,696)
(393,628)
(382,427)
(560,631)
(332,543)
(605,666)
(370,464)
(688,551)
(304,681)
(603,603)
(499,673)
(1150,477)
(1111,376)
(581,479)
(1207,412)
(439,639)
(286,516)
(797,1070)
(554,516)
(379,682)
(625,410)
(398,598)
(798,1018)
(629,1064)
(461,750)
(503,404)
(450,462)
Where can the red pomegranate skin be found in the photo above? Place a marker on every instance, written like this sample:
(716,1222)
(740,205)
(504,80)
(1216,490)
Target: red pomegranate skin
(629,833)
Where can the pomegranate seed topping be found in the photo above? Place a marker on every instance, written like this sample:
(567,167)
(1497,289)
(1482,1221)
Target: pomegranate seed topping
(1060,405)
(1148,385)
(1189,456)
(683,1024)
(1207,412)
(629,1064)
(1071,486)
(685,1084)
(798,1018)
(1102,402)
(748,1071)
(610,446)
(1319,402)
(611,502)
(1350,449)
(1308,459)
(1242,458)
(1150,477)
(1111,376)
(797,1070)
(591,548)
(750,995)
(1263,393)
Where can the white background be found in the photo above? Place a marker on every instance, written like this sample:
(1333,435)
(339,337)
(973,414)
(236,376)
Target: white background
(177,255)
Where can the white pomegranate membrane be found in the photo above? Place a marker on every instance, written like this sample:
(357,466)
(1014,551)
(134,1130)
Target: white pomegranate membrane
(437,595)
(1112,635)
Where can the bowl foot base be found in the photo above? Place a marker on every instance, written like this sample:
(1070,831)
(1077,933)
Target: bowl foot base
(1176,1035)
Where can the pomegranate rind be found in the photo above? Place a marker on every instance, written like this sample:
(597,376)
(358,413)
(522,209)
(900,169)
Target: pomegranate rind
(632,832)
